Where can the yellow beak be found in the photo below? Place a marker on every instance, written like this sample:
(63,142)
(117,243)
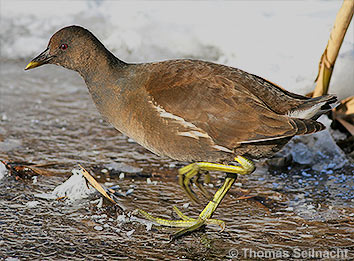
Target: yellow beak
(32,64)
(41,59)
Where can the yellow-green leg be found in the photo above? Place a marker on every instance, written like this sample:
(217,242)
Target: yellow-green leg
(188,172)
(192,171)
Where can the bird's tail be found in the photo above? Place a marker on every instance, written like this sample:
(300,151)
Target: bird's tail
(306,126)
(314,108)
(305,115)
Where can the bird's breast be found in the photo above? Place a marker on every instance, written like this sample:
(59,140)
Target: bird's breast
(134,113)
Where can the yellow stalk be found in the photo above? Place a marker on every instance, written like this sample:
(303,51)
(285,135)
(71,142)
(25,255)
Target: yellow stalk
(330,54)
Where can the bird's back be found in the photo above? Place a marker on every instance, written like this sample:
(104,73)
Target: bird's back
(219,109)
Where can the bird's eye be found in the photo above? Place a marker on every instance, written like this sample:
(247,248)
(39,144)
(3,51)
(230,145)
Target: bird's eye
(63,46)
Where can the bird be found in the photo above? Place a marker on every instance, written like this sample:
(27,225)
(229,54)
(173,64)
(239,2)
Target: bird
(216,117)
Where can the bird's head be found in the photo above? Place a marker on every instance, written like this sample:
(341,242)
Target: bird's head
(70,47)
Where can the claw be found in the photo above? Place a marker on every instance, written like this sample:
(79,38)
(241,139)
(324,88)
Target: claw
(192,173)
(199,223)
(204,192)
(185,176)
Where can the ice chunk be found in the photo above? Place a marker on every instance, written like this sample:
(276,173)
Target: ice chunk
(3,170)
(145,222)
(318,149)
(74,188)
(12,259)
(301,154)
(98,228)
(130,233)
(122,218)
(32,204)
(129,191)
(186,205)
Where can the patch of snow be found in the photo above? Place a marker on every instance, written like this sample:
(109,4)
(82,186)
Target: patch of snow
(12,259)
(123,218)
(74,188)
(98,228)
(32,204)
(130,233)
(3,170)
(4,117)
(318,150)
(289,209)
(45,195)
(100,203)
(129,191)
(186,205)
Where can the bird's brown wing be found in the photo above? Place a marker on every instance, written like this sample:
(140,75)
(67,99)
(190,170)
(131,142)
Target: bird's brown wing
(203,94)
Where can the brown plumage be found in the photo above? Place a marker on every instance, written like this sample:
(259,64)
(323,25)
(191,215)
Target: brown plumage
(188,110)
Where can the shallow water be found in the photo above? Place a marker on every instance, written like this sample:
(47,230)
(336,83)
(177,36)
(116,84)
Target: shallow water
(47,116)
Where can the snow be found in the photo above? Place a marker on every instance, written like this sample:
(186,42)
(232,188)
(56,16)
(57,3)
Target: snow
(3,170)
(130,233)
(278,40)
(318,150)
(74,188)
(32,204)
(98,228)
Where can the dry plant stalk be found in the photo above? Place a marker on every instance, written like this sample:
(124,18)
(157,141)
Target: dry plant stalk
(330,54)
(344,113)
(97,186)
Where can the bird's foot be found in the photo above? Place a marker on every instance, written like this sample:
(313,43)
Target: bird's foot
(186,223)
(192,172)
(191,224)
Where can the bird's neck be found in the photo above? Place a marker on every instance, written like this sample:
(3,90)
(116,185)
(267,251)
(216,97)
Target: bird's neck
(98,66)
